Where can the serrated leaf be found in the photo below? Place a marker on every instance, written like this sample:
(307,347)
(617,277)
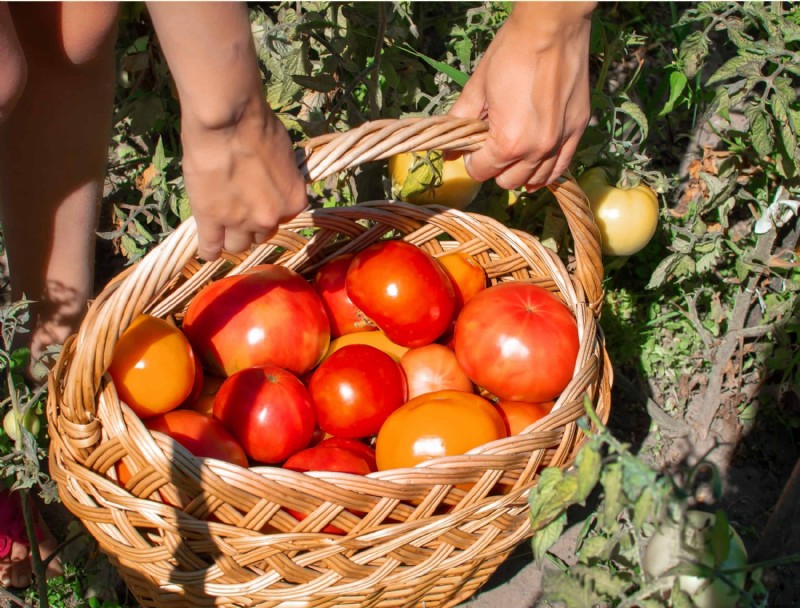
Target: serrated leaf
(595,548)
(677,83)
(463,50)
(557,587)
(643,507)
(636,113)
(425,173)
(662,271)
(587,463)
(159,158)
(544,538)
(760,130)
(746,65)
(607,584)
(324,83)
(613,500)
(693,52)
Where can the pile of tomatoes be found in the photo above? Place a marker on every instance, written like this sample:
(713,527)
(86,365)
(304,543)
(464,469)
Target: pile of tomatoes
(382,359)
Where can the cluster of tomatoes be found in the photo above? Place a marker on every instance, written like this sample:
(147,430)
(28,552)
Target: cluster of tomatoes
(380,360)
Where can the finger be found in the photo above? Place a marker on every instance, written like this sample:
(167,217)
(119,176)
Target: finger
(563,159)
(210,239)
(237,241)
(539,178)
(262,237)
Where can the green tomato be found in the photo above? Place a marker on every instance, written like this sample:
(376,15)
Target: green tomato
(30,421)
(627,219)
(667,548)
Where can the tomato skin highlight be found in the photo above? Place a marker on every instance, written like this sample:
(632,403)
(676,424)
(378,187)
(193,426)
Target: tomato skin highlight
(329,282)
(403,290)
(269,315)
(355,389)
(268,410)
(153,366)
(518,341)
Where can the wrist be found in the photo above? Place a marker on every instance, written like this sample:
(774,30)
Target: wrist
(551,19)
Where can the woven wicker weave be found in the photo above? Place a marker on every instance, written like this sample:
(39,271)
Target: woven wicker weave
(195,532)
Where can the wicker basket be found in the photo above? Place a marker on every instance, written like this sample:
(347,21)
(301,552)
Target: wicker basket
(200,532)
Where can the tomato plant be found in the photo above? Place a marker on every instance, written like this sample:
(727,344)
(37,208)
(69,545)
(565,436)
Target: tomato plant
(269,315)
(432,368)
(518,415)
(153,366)
(627,218)
(345,317)
(268,410)
(403,290)
(355,389)
(428,179)
(518,341)
(444,423)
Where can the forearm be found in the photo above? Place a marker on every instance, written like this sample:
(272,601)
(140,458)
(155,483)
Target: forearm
(543,22)
(210,52)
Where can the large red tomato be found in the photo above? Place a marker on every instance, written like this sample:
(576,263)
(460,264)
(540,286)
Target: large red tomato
(355,389)
(345,317)
(153,366)
(268,410)
(403,290)
(518,341)
(268,316)
(432,368)
(444,423)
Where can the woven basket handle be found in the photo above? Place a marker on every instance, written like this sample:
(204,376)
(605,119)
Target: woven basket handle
(128,295)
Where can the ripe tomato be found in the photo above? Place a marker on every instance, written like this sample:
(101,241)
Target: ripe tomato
(328,458)
(627,218)
(360,449)
(403,290)
(468,277)
(518,341)
(268,410)
(203,402)
(202,435)
(355,389)
(432,368)
(444,423)
(519,415)
(153,366)
(345,317)
(375,338)
(433,180)
(268,316)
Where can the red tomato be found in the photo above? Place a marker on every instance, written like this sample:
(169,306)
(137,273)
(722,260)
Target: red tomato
(466,274)
(445,423)
(433,368)
(519,415)
(345,317)
(403,290)
(328,458)
(360,449)
(268,410)
(153,366)
(518,341)
(355,389)
(202,435)
(268,316)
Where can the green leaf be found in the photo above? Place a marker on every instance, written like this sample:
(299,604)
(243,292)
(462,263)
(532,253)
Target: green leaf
(456,75)
(663,271)
(557,587)
(693,52)
(677,83)
(760,130)
(159,158)
(611,479)
(720,538)
(543,539)
(463,50)
(20,357)
(588,463)
(745,65)
(425,173)
(636,113)
(643,507)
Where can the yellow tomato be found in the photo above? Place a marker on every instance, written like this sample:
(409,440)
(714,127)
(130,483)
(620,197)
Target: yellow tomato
(375,338)
(455,189)
(627,219)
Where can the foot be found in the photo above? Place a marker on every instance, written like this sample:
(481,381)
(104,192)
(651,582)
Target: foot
(15,553)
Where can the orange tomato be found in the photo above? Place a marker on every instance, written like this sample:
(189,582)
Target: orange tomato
(153,366)
(466,274)
(444,423)
(375,338)
(518,415)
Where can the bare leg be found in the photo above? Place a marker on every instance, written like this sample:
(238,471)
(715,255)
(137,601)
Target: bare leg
(53,147)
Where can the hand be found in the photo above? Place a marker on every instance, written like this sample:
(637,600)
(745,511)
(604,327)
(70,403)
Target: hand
(532,87)
(241,179)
